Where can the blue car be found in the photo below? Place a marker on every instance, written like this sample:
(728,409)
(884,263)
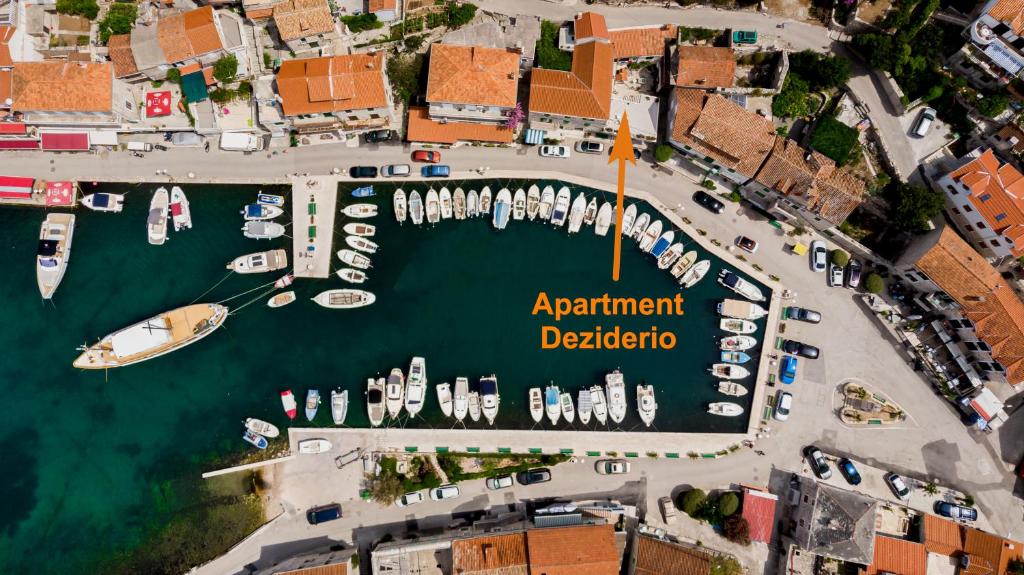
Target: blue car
(787,370)
(323,514)
(954,511)
(849,471)
(438,171)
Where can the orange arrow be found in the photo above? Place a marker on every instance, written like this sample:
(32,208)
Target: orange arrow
(622,150)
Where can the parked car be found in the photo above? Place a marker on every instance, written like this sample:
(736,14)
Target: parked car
(800,348)
(668,509)
(535,475)
(898,486)
(429,156)
(375,136)
(783,405)
(853,269)
(924,122)
(746,244)
(787,369)
(612,466)
(554,152)
(835,275)
(818,463)
(589,147)
(803,314)
(705,199)
(819,256)
(362,172)
(411,498)
(498,482)
(323,514)
(954,511)
(393,170)
(849,471)
(440,171)
(444,492)
(744,37)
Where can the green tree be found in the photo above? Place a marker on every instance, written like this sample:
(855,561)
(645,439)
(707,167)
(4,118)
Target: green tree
(385,488)
(413,43)
(120,19)
(362,22)
(834,139)
(736,529)
(725,565)
(791,102)
(692,501)
(548,54)
(728,503)
(459,14)
(174,75)
(404,71)
(840,258)
(87,8)
(873,283)
(821,72)
(992,105)
(662,153)
(912,207)
(225,69)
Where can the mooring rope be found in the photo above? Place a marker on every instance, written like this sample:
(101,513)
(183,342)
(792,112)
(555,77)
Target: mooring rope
(222,280)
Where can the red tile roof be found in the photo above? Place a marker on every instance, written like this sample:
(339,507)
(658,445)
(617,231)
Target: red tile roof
(705,67)
(590,25)
(332,84)
(941,535)
(989,554)
(585,92)
(6,33)
(656,557)
(717,127)
(641,42)
(5,87)
(759,511)
(505,554)
(297,19)
(588,550)
(422,129)
(55,86)
(473,75)
(997,193)
(898,557)
(1010,12)
(188,34)
(381,5)
(119,48)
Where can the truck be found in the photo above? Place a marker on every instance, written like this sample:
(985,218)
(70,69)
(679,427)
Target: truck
(741,309)
(241,142)
(140,147)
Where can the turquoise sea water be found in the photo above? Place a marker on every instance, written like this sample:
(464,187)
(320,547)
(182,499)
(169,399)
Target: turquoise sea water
(84,450)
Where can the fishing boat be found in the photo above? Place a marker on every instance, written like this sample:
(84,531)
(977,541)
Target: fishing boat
(53,251)
(490,399)
(360,229)
(502,209)
(288,403)
(577,212)
(628,219)
(394,392)
(651,235)
(552,407)
(354,259)
(181,215)
(270,199)
(683,264)
(738,326)
(312,403)
(645,404)
(363,192)
(519,205)
(375,401)
(737,343)
(433,207)
(459,204)
(670,256)
(444,398)
(560,211)
(474,405)
(472,204)
(261,427)
(725,409)
(284,281)
(362,244)
(731,388)
(416,386)
(536,404)
(695,274)
(734,357)
(153,337)
(352,276)
(259,212)
(360,210)
(584,406)
(616,386)
(282,299)
(663,243)
(259,262)
(485,201)
(568,411)
(100,202)
(547,202)
(590,214)
(460,401)
(156,219)
(740,309)
(262,230)
(446,204)
(254,438)
(740,285)
(415,208)
(314,446)
(400,206)
(600,404)
(339,406)
(603,221)
(532,202)
(344,298)
(729,371)
(640,226)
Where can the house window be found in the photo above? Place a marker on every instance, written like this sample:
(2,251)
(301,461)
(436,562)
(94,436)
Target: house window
(981,226)
(952,190)
(374,116)
(709,159)
(969,227)
(994,243)
(985,197)
(967,208)
(1000,217)
(353,118)
(956,211)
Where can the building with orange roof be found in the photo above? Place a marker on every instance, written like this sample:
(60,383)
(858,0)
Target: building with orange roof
(6,64)
(324,563)
(503,554)
(897,557)
(988,554)
(704,67)
(995,49)
(304,25)
(385,10)
(652,556)
(641,44)
(57,93)
(575,550)
(941,536)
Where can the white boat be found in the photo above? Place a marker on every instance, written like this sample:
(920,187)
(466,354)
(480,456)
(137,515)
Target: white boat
(738,326)
(731,388)
(490,399)
(282,299)
(360,210)
(339,406)
(474,405)
(375,400)
(741,309)
(270,199)
(645,404)
(100,202)
(459,204)
(259,262)
(361,244)
(584,406)
(670,256)
(485,201)
(536,404)
(354,259)
(683,264)
(446,204)
(560,211)
(603,222)
(502,209)
(552,405)
(416,386)
(262,230)
(181,215)
(650,236)
(260,212)
(532,202)
(312,404)
(472,204)
(616,386)
(725,408)
(415,208)
(663,243)
(519,205)
(314,446)
(737,343)
(156,220)
(460,401)
(284,281)
(344,298)
(547,202)
(360,229)
(695,274)
(256,439)
(600,404)
(590,214)
(640,226)
(153,337)
(444,398)
(262,427)
(433,206)
(740,285)
(568,411)
(577,212)
(53,251)
(729,371)
(628,219)
(394,392)
(352,276)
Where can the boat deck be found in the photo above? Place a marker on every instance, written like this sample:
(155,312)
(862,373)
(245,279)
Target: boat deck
(314,205)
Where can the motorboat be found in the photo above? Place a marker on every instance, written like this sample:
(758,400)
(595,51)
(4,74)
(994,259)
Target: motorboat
(288,403)
(740,309)
(259,262)
(433,207)
(312,403)
(729,371)
(375,401)
(725,409)
(663,243)
(552,405)
(446,204)
(740,285)
(616,386)
(683,264)
(394,392)
(284,281)
(415,208)
(547,202)
(731,388)
(584,406)
(737,343)
(363,192)
(532,202)
(262,230)
(734,357)
(568,411)
(590,214)
(354,259)
(651,235)
(259,212)
(352,276)
(738,326)
(100,202)
(282,299)
(314,446)
(360,229)
(416,386)
(361,244)
(344,298)
(270,199)
(519,204)
(645,404)
(577,212)
(181,215)
(262,427)
(459,204)
(490,399)
(485,201)
(640,226)
(502,209)
(628,218)
(600,403)
(560,210)
(400,205)
(695,274)
(256,439)
(156,219)
(669,257)
(460,401)
(339,406)
(360,210)
(53,251)
(444,398)
(603,221)
(536,404)
(472,204)
(474,405)
(159,335)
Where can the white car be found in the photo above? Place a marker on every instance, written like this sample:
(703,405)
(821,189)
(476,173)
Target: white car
(554,152)
(499,482)
(783,405)
(395,170)
(898,486)
(612,467)
(819,256)
(835,275)
(411,498)
(444,492)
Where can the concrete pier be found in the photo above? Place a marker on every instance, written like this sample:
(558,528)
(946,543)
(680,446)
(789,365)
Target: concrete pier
(314,203)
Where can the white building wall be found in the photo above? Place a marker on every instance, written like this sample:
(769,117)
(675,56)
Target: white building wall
(970,222)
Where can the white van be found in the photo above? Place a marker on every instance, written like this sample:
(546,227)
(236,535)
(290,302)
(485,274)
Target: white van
(241,142)
(140,147)
(924,122)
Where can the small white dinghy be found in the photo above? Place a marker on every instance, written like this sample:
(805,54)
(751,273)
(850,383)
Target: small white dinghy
(584,406)
(344,298)
(519,205)
(352,276)
(695,274)
(181,215)
(628,218)
(281,299)
(732,388)
(568,411)
(362,244)
(415,208)
(339,406)
(460,402)
(684,264)
(360,229)
(536,404)
(259,262)
(444,398)
(645,404)
(724,408)
(354,259)
(400,206)
(459,204)
(474,405)
(604,219)
(314,446)
(360,210)
(590,215)
(433,204)
(532,202)
(446,204)
(100,202)
(600,404)
(261,427)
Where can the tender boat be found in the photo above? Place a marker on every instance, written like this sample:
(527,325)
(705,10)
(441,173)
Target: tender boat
(100,202)
(740,326)
(490,399)
(737,343)
(259,212)
(416,386)
(360,229)
(181,215)
(536,404)
(344,298)
(259,262)
(519,205)
(641,226)
(547,202)
(603,222)
(740,285)
(156,220)
(669,257)
(312,403)
(375,401)
(568,411)
(394,392)
(616,386)
(400,206)
(362,244)
(662,244)
(352,276)
(472,204)
(734,357)
(628,219)
(460,401)
(153,337)
(288,403)
(651,235)
(284,281)
(354,259)
(645,404)
(590,214)
(433,207)
(560,211)
(683,264)
(363,192)
(444,398)
(270,199)
(584,405)
(532,202)
(600,404)
(314,446)
(729,371)
(474,405)
(446,204)
(459,204)
(725,408)
(502,209)
(53,252)
(552,406)
(485,201)
(577,212)
(262,230)
(415,208)
(339,406)
(254,438)
(732,388)
(261,427)
(740,309)
(360,210)
(282,299)
(695,274)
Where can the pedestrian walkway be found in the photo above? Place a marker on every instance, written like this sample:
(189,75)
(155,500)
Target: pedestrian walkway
(314,200)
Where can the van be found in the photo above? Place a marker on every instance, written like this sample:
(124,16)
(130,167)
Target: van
(323,514)
(240,142)
(924,122)
(140,147)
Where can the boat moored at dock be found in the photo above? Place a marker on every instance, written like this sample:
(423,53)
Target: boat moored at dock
(394,392)
(433,206)
(577,213)
(259,262)
(339,406)
(472,204)
(737,326)
(416,386)
(262,230)
(156,219)
(600,403)
(460,401)
(444,398)
(737,343)
(459,204)
(502,209)
(650,236)
(474,405)
(181,214)
(375,401)
(532,202)
(725,409)
(254,438)
(584,406)
(100,202)
(734,357)
(729,371)
(568,411)
(552,405)
(352,276)
(485,201)
(695,274)
(360,229)
(669,256)
(400,206)
(446,204)
(628,219)
(731,388)
(740,309)
(640,226)
(270,200)
(490,399)
(603,221)
(683,264)
(590,214)
(53,252)
(262,427)
(416,208)
(361,244)
(536,404)
(662,244)
(645,404)
(547,202)
(282,299)
(258,212)
(560,210)
(312,404)
(616,385)
(519,205)
(344,298)
(740,285)
(354,259)
(360,210)
(288,403)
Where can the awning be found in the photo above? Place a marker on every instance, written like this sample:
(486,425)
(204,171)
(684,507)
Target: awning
(60,193)
(534,137)
(102,138)
(13,129)
(1004,58)
(194,87)
(987,404)
(158,104)
(72,142)
(15,187)
(19,144)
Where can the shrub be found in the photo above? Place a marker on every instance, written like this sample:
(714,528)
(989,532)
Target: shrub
(268,61)
(662,153)
(834,139)
(912,207)
(459,14)
(840,258)
(728,503)
(548,54)
(820,71)
(736,529)
(873,283)
(404,73)
(362,22)
(693,501)
(791,102)
(725,565)
(87,8)
(120,19)
(413,43)
(992,105)
(708,184)
(225,69)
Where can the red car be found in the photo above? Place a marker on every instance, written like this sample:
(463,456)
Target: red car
(426,156)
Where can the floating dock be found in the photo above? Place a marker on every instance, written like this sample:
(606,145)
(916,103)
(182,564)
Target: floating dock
(314,203)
